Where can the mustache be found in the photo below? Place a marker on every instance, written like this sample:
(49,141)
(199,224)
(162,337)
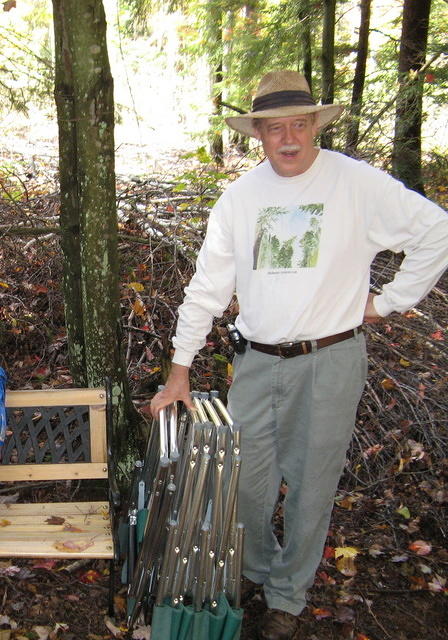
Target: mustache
(289,148)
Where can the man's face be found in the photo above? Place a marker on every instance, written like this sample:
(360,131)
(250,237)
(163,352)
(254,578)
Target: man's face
(288,143)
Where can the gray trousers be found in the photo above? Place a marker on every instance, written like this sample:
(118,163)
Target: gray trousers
(297,417)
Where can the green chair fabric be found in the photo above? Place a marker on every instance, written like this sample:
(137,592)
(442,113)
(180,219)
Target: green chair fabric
(183,623)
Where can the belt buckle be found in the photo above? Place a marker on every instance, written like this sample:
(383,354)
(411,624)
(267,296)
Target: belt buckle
(284,345)
(304,345)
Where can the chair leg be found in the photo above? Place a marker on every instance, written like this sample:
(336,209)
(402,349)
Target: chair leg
(111,588)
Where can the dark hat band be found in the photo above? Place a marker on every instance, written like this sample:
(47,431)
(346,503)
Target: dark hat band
(282,99)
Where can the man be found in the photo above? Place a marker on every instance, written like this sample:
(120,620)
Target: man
(295,238)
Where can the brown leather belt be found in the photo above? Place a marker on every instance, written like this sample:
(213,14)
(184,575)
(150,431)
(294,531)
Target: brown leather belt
(292,349)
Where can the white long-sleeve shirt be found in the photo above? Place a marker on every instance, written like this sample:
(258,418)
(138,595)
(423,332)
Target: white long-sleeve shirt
(297,251)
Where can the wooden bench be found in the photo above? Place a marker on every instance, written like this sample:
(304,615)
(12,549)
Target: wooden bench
(56,435)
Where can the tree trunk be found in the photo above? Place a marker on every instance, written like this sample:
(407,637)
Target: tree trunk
(329,7)
(359,79)
(406,155)
(306,65)
(216,142)
(70,212)
(84,98)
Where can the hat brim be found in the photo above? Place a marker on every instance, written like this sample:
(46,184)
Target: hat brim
(326,113)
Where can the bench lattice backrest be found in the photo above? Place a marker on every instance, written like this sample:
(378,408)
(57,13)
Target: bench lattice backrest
(55,434)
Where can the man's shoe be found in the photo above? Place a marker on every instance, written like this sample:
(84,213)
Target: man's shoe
(248,589)
(277,625)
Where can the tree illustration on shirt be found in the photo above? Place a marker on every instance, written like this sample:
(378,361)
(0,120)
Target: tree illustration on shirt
(287,238)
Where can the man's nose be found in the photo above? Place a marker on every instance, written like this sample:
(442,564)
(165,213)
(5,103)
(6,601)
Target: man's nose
(289,135)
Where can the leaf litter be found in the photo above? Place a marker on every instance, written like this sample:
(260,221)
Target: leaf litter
(393,493)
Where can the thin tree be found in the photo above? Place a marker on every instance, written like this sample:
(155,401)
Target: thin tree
(306,62)
(85,110)
(215,16)
(406,155)
(328,29)
(358,79)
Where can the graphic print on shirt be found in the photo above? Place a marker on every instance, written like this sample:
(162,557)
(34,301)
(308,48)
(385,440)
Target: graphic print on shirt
(287,238)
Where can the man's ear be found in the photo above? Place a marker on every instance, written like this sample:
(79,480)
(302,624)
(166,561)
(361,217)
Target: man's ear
(256,125)
(315,125)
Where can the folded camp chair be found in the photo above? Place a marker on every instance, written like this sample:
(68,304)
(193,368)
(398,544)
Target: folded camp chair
(186,561)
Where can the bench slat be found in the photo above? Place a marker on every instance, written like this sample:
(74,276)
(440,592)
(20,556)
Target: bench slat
(98,445)
(63,471)
(54,397)
(25,531)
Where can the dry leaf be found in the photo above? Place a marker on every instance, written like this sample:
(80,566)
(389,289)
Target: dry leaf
(388,384)
(420,547)
(42,632)
(120,603)
(424,568)
(401,558)
(6,620)
(437,584)
(5,523)
(72,528)
(375,550)
(138,308)
(115,631)
(9,4)
(136,286)
(328,552)
(13,497)
(320,613)
(9,570)
(346,503)
(349,598)
(59,626)
(142,633)
(55,520)
(373,450)
(404,511)
(90,577)
(73,547)
(344,614)
(48,564)
(418,583)
(345,560)
(325,578)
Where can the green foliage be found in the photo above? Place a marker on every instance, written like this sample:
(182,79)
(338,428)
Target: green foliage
(26,68)
(206,181)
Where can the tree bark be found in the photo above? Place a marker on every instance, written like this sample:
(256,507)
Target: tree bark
(216,142)
(84,98)
(406,155)
(70,206)
(328,29)
(306,65)
(359,79)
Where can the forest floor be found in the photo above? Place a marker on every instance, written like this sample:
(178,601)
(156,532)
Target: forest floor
(385,565)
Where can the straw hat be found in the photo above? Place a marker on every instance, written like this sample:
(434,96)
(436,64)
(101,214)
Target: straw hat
(281,94)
